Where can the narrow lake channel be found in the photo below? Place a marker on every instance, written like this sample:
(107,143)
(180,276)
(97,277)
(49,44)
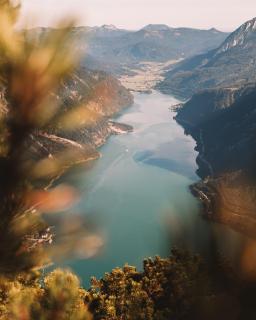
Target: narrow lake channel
(139,190)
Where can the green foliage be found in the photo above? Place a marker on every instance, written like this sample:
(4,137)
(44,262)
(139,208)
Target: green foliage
(166,288)
(181,287)
(29,74)
(58,296)
(63,296)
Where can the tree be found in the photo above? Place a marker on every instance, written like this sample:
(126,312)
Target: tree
(30,73)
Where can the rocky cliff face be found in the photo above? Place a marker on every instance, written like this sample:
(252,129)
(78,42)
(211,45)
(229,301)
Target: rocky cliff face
(223,122)
(203,105)
(244,37)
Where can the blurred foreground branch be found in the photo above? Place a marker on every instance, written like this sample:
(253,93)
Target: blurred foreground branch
(31,73)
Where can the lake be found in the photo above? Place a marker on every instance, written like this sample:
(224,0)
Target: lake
(138,191)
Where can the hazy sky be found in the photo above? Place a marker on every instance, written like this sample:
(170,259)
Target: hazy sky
(133,14)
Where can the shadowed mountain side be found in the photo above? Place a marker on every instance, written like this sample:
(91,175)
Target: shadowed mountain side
(222,121)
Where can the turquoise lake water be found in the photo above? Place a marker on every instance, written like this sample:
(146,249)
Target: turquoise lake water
(138,191)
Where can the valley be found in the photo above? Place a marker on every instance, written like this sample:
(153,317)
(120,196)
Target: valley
(207,80)
(218,85)
(127,160)
(132,61)
(146,76)
(138,191)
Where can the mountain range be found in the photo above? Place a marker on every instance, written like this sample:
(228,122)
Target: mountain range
(117,51)
(157,43)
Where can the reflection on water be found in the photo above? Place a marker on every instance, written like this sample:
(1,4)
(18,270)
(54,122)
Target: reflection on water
(171,156)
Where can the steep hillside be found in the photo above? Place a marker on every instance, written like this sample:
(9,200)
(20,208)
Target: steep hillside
(203,105)
(102,94)
(107,93)
(223,122)
(96,91)
(232,63)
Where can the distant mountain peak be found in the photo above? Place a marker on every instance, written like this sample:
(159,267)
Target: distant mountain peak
(239,37)
(156,27)
(214,30)
(109,27)
(251,24)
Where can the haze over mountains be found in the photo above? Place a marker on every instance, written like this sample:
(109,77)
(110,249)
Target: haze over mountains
(113,47)
(110,49)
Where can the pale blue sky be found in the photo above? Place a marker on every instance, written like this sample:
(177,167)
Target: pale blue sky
(133,14)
